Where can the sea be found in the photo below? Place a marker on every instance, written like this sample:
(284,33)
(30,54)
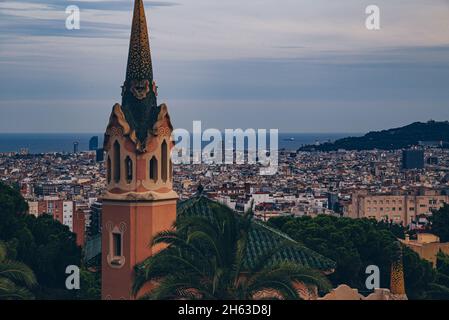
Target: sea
(35,143)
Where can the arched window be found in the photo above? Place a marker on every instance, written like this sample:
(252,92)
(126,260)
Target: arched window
(117,245)
(164,160)
(109,168)
(116,254)
(129,169)
(171,169)
(153,169)
(116,161)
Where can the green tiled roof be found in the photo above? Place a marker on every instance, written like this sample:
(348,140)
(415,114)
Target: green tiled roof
(262,238)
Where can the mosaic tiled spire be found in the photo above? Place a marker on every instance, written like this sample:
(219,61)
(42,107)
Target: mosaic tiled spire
(139,58)
(397,282)
(139,92)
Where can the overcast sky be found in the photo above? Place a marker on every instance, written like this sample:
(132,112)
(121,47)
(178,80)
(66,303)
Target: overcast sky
(295,65)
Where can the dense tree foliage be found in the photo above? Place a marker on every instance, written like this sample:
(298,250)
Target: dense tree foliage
(440,223)
(418,275)
(439,289)
(205,260)
(355,244)
(16,279)
(43,244)
(90,286)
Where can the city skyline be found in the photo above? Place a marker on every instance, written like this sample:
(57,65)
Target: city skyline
(152,212)
(298,66)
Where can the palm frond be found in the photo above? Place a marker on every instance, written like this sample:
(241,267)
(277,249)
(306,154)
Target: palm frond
(2,251)
(18,273)
(204,259)
(268,257)
(292,273)
(438,292)
(177,287)
(274,289)
(10,291)
(167,262)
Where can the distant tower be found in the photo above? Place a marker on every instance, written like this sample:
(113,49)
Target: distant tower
(99,155)
(139,201)
(93,143)
(75,147)
(412,159)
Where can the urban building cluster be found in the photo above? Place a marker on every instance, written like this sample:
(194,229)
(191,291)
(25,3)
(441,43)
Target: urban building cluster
(331,183)
(402,186)
(65,186)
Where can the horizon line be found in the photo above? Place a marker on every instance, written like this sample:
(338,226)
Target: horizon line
(92,132)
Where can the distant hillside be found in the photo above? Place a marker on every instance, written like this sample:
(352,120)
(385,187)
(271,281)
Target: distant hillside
(390,139)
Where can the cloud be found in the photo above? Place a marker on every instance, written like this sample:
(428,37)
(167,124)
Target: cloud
(100,18)
(310,56)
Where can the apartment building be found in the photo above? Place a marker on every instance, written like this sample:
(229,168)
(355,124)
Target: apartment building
(60,210)
(401,208)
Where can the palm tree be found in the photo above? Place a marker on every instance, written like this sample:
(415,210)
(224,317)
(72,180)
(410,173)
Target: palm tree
(205,259)
(16,279)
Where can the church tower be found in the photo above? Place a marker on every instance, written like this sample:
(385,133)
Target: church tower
(139,201)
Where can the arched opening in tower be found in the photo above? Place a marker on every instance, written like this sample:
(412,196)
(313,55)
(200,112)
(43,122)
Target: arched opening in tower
(164,159)
(116,161)
(129,169)
(153,169)
(109,168)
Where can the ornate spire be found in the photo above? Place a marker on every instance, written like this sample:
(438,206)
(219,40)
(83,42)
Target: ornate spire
(397,285)
(139,92)
(397,282)
(139,58)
